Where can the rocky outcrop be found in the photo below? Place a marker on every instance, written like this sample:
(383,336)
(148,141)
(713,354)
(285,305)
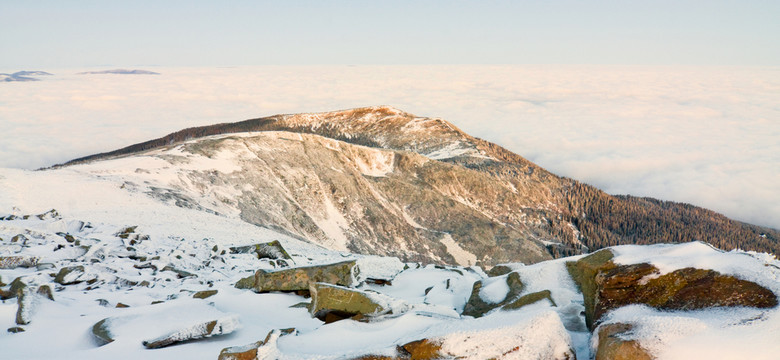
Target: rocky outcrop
(332,302)
(606,286)
(300,278)
(612,344)
(478,305)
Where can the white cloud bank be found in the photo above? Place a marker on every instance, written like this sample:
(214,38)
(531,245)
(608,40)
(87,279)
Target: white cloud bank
(708,136)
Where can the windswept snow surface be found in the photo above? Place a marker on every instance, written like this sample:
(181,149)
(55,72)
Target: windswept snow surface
(138,248)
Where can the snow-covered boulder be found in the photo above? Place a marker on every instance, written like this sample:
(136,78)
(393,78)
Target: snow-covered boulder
(299,278)
(607,284)
(491,293)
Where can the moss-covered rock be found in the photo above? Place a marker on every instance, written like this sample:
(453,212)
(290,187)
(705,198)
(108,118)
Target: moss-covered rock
(294,279)
(246,283)
(606,286)
(477,306)
(613,345)
(530,299)
(583,272)
(499,270)
(343,302)
(70,275)
(683,289)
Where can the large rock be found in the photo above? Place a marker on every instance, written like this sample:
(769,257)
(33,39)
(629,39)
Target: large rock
(344,302)
(542,337)
(477,305)
(250,351)
(220,326)
(101,332)
(300,278)
(17,261)
(613,345)
(606,286)
(583,272)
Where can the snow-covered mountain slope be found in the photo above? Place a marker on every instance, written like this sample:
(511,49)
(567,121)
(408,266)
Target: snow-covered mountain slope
(339,195)
(564,215)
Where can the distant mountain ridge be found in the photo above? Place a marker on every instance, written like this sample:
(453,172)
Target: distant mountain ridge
(22,76)
(120,72)
(421,189)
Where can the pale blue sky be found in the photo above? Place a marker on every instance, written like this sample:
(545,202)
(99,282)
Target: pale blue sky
(80,33)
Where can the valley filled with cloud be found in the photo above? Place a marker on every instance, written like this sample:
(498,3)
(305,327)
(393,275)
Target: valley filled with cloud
(702,135)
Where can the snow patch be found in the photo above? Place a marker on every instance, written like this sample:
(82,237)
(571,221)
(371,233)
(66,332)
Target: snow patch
(461,256)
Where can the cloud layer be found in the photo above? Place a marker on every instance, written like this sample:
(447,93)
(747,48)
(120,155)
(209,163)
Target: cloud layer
(707,136)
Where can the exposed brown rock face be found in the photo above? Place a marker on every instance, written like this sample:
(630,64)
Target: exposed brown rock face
(606,286)
(613,347)
(684,289)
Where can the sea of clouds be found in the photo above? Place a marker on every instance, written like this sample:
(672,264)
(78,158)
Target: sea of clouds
(709,136)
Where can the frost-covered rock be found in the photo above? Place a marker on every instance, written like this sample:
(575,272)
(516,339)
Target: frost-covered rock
(70,275)
(28,299)
(220,326)
(539,336)
(491,293)
(296,279)
(17,261)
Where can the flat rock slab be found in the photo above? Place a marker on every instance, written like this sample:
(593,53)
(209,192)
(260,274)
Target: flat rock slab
(300,278)
(164,324)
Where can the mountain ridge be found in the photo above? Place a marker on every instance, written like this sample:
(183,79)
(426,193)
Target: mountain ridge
(567,217)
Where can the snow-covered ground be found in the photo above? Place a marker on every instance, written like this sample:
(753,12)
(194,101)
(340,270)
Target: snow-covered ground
(146,253)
